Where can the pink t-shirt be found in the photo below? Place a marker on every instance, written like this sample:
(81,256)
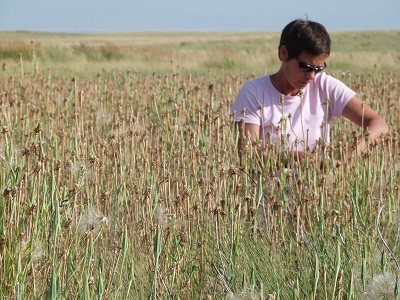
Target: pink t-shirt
(300,120)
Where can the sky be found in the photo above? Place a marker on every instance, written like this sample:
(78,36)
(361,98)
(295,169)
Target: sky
(107,16)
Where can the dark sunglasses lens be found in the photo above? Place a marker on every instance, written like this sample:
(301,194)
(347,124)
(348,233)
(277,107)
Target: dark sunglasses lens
(319,69)
(307,68)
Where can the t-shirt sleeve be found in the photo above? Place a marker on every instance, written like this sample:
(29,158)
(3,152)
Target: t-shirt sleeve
(338,93)
(246,105)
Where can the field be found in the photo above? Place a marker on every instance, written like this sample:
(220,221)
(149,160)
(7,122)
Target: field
(120,177)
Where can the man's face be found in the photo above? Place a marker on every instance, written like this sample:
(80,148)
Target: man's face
(302,69)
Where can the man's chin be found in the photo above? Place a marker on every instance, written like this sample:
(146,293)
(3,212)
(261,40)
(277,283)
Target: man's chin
(302,85)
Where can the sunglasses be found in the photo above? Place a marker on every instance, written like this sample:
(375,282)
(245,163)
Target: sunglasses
(309,68)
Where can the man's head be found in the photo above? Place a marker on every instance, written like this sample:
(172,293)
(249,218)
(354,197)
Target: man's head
(305,36)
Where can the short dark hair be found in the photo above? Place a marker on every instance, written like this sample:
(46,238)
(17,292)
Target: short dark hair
(305,35)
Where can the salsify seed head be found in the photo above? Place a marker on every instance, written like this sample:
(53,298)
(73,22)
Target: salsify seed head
(381,287)
(92,220)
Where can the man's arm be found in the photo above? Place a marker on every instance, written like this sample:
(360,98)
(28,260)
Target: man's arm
(252,132)
(246,131)
(365,117)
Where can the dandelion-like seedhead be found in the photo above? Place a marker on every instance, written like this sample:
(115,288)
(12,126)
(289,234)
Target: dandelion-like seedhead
(76,167)
(80,169)
(35,248)
(245,295)
(230,296)
(216,105)
(37,252)
(92,220)
(60,99)
(103,119)
(381,287)
(159,213)
(161,216)
(2,155)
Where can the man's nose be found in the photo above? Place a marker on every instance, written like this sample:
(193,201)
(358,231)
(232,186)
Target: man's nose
(311,75)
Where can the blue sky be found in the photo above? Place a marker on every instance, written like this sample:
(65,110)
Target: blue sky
(189,15)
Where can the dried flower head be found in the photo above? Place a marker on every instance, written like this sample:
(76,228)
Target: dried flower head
(161,216)
(103,119)
(35,248)
(381,287)
(92,220)
(244,295)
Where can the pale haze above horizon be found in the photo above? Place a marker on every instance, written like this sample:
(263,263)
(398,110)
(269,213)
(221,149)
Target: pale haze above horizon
(105,16)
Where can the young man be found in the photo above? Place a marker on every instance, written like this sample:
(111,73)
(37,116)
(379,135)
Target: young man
(293,107)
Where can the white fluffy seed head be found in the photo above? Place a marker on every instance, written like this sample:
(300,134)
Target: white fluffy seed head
(381,287)
(92,220)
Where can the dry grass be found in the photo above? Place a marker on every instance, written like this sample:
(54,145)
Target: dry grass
(85,55)
(128,185)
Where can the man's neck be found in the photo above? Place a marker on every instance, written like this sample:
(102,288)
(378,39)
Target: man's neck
(282,85)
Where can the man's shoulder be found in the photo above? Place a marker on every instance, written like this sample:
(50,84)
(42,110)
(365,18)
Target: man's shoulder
(259,83)
(258,80)
(325,78)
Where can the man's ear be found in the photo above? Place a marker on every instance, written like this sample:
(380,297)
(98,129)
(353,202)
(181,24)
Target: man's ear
(283,53)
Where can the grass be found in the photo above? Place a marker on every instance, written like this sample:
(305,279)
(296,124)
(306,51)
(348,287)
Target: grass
(125,183)
(85,55)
